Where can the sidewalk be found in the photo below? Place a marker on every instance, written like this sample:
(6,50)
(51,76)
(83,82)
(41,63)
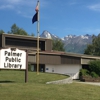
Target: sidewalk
(91,83)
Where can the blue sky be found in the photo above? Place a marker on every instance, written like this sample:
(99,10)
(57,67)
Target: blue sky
(59,17)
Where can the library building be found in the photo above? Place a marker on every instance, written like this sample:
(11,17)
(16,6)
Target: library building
(49,61)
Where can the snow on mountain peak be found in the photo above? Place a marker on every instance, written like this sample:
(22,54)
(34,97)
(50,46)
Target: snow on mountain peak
(78,42)
(84,37)
(62,39)
(69,37)
(54,35)
(46,34)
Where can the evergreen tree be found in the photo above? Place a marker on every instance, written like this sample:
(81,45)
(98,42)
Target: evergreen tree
(16,30)
(94,48)
(1,32)
(58,45)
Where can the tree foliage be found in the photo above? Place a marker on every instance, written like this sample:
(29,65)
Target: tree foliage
(94,48)
(19,31)
(94,66)
(92,71)
(16,30)
(1,32)
(58,45)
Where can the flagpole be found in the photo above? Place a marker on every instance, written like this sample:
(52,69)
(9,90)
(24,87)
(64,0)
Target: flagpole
(38,31)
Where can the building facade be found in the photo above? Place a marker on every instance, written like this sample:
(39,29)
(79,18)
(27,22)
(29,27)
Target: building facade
(49,61)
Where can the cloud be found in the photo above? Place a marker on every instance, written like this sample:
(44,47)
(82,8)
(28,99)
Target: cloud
(73,3)
(13,1)
(6,7)
(19,3)
(25,8)
(95,7)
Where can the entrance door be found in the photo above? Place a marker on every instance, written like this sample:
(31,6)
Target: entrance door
(42,68)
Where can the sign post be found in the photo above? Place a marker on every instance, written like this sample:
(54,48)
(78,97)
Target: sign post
(13,58)
(26,71)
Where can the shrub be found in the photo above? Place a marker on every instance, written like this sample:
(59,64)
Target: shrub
(93,74)
(94,66)
(84,72)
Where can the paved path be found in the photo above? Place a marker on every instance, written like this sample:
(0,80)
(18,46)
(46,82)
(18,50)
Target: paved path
(91,83)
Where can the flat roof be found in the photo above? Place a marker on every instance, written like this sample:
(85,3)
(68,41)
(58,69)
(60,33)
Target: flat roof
(53,52)
(23,36)
(69,54)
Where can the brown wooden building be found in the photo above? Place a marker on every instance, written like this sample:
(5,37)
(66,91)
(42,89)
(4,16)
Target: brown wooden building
(49,60)
(24,42)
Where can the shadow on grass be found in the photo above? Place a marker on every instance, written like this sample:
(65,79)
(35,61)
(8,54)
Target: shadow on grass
(7,81)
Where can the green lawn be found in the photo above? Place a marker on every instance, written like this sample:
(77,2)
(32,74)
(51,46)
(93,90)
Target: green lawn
(12,87)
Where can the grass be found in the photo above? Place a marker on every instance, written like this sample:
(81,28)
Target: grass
(12,87)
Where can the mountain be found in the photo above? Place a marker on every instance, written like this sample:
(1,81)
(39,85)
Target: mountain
(48,35)
(72,43)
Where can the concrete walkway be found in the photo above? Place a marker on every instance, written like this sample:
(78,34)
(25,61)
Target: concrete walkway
(63,81)
(91,83)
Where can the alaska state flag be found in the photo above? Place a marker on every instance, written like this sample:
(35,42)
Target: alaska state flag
(34,19)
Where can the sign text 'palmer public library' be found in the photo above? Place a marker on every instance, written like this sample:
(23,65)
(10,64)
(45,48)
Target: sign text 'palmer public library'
(12,59)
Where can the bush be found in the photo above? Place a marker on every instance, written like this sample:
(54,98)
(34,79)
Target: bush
(93,74)
(84,72)
(94,66)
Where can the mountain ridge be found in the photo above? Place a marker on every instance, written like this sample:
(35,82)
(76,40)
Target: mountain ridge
(72,43)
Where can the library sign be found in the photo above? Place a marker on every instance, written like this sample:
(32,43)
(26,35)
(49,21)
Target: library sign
(12,59)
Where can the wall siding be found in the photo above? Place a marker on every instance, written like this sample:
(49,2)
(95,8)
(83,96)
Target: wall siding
(70,60)
(50,59)
(86,61)
(71,70)
(48,45)
(32,58)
